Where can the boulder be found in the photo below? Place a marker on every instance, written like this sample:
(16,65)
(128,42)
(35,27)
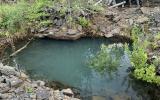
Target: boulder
(108,35)
(79,28)
(23,76)
(72,32)
(142,19)
(19,90)
(42,94)
(40,83)
(146,10)
(68,92)
(3,96)
(15,81)
(58,95)
(131,22)
(4,88)
(7,70)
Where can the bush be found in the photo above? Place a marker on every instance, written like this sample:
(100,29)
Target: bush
(12,17)
(83,22)
(35,12)
(138,58)
(17,17)
(147,74)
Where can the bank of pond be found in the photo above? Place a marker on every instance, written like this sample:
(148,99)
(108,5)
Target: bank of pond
(70,63)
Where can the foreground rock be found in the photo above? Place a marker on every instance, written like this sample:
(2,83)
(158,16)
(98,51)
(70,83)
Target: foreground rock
(17,86)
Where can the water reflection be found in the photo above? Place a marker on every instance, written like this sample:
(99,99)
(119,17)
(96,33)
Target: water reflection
(107,59)
(65,62)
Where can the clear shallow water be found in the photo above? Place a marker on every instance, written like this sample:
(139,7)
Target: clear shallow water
(65,62)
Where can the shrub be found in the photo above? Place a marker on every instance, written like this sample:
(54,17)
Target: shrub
(147,74)
(17,17)
(12,17)
(83,22)
(138,55)
(35,13)
(138,58)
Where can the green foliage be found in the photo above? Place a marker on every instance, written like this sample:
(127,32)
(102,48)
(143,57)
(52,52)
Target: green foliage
(82,5)
(20,16)
(147,74)
(96,8)
(17,17)
(75,8)
(44,23)
(83,22)
(12,17)
(154,45)
(35,10)
(29,89)
(156,61)
(107,59)
(157,37)
(138,58)
(135,33)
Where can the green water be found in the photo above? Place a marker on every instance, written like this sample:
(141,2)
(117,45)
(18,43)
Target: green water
(66,62)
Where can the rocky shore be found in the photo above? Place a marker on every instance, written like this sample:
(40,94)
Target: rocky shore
(16,85)
(109,23)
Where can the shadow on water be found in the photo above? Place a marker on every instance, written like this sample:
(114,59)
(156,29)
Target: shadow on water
(65,62)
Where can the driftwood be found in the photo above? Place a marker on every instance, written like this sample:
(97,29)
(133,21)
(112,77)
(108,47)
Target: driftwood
(118,4)
(98,2)
(19,50)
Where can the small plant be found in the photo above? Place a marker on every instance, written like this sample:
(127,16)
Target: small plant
(29,89)
(96,8)
(83,22)
(136,31)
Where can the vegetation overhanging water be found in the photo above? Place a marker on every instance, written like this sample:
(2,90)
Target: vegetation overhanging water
(76,63)
(66,62)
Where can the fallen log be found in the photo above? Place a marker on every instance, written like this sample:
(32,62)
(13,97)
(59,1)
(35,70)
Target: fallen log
(19,50)
(118,4)
(98,2)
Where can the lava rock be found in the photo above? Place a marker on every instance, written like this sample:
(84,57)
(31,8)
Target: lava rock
(67,92)
(15,81)
(72,32)
(142,19)
(42,94)
(7,70)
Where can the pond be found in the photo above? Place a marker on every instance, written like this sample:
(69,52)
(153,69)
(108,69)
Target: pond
(66,62)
